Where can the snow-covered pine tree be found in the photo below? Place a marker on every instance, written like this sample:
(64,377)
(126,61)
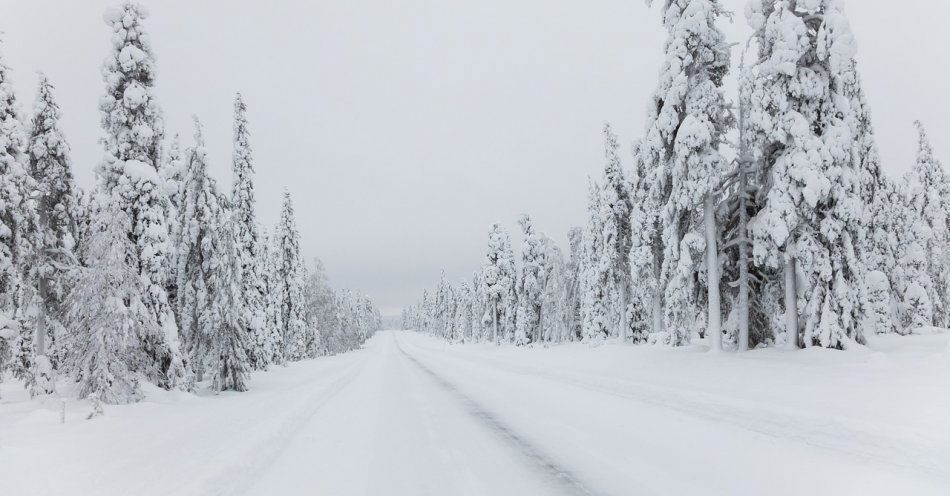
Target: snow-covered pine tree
(319,298)
(16,217)
(646,252)
(686,126)
(557,308)
(929,195)
(499,275)
(478,326)
(172,174)
(803,130)
(595,299)
(289,284)
(442,311)
(230,337)
(463,313)
(270,276)
(199,218)
(892,240)
(243,209)
(530,285)
(133,127)
(106,311)
(54,236)
(616,203)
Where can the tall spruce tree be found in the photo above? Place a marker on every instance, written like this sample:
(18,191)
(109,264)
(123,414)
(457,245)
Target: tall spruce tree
(595,287)
(248,244)
(803,133)
(289,281)
(16,216)
(54,236)
(133,127)
(106,311)
(230,337)
(530,285)
(499,278)
(199,218)
(616,204)
(687,125)
(929,196)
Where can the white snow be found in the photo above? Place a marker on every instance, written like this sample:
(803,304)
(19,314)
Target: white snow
(410,414)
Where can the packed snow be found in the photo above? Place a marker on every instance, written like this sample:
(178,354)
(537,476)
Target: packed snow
(410,414)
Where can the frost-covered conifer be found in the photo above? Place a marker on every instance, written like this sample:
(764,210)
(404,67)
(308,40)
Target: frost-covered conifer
(199,219)
(230,335)
(530,285)
(133,127)
(54,235)
(646,253)
(595,286)
(243,210)
(106,311)
(499,275)
(463,313)
(803,129)
(289,284)
(16,212)
(686,126)
(616,204)
(479,327)
(929,195)
(270,276)
(557,309)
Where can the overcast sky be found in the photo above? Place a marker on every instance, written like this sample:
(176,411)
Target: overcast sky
(403,129)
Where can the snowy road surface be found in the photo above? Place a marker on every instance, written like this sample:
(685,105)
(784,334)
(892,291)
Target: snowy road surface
(409,415)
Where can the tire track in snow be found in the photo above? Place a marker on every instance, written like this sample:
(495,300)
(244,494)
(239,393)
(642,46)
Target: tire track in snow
(852,437)
(561,475)
(238,478)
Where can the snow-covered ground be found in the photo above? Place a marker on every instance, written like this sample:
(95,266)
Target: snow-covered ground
(412,415)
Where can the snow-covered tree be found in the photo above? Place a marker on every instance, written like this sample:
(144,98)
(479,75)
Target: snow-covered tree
(929,195)
(230,336)
(133,127)
(106,311)
(530,285)
(499,276)
(646,253)
(479,327)
(289,281)
(616,204)
(557,308)
(243,211)
(686,127)
(16,217)
(199,219)
(803,129)
(54,236)
(270,276)
(463,313)
(595,285)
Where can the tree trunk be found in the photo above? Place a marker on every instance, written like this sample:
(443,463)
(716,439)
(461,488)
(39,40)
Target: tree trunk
(743,309)
(624,325)
(40,341)
(791,304)
(658,291)
(494,315)
(714,324)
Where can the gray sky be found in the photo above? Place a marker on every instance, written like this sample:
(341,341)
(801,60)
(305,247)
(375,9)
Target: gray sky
(403,129)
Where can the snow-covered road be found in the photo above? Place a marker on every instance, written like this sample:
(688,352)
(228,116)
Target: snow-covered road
(410,415)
